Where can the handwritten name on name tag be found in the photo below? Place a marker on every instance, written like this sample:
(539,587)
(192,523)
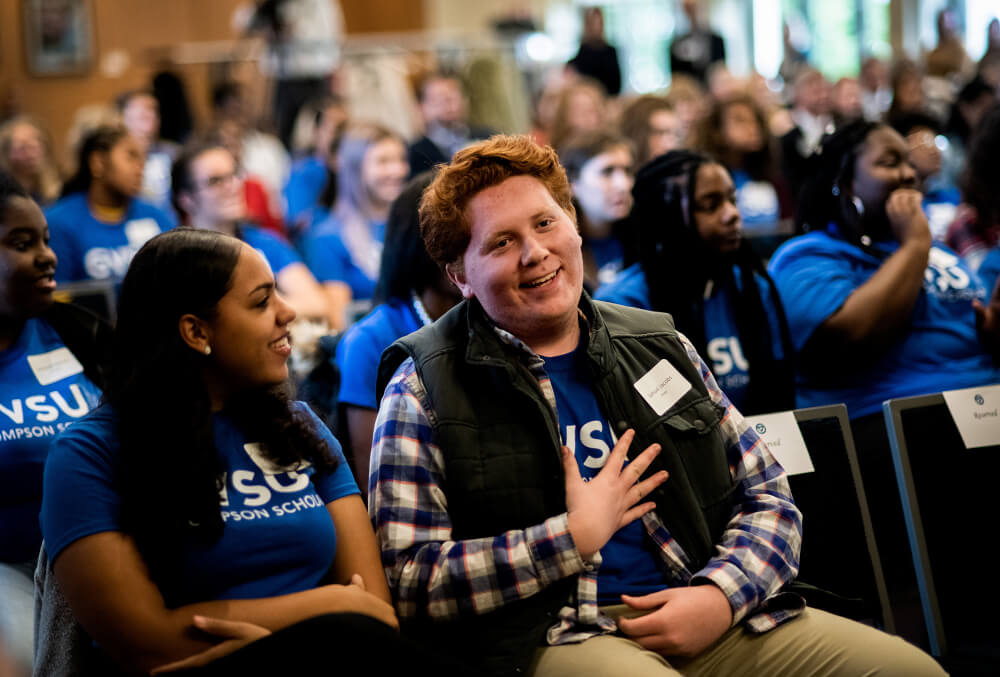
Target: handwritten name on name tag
(783,438)
(662,386)
(976,412)
(54,365)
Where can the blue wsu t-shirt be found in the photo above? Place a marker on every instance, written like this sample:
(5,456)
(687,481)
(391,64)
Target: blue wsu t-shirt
(278,536)
(42,390)
(939,350)
(89,249)
(629,561)
(723,347)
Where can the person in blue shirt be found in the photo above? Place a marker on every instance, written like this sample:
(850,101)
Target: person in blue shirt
(51,358)
(599,167)
(344,251)
(412,291)
(695,264)
(877,310)
(208,193)
(200,517)
(98,224)
(735,132)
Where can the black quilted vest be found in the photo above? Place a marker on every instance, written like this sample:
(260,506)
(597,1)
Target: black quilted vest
(501,450)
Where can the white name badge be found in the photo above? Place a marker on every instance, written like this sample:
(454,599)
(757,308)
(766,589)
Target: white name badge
(783,438)
(137,231)
(662,386)
(976,412)
(54,365)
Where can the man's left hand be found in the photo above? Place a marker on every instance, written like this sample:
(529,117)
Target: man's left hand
(685,621)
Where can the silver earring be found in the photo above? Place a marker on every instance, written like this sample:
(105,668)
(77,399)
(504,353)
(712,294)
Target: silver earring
(858,205)
(208,349)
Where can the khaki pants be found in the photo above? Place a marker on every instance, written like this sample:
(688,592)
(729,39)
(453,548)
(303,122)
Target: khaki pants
(815,643)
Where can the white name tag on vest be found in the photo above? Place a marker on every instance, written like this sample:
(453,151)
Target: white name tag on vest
(783,438)
(662,386)
(976,412)
(54,365)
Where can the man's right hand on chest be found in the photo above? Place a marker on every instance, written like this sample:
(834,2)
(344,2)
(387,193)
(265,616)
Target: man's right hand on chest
(611,500)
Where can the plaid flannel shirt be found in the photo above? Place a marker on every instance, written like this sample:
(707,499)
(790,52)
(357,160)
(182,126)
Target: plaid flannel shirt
(433,576)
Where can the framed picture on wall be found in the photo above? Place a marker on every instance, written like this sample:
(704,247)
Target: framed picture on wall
(58,36)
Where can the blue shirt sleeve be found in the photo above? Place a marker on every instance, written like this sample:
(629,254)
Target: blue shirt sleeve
(814,283)
(79,498)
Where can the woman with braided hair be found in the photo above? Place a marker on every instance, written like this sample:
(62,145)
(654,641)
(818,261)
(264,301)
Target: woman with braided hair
(695,264)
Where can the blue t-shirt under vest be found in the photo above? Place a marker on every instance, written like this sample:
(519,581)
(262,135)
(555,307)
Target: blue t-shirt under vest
(723,348)
(89,249)
(361,347)
(42,390)
(279,254)
(629,563)
(940,349)
(278,538)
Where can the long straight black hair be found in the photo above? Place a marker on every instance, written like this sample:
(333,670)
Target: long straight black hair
(678,266)
(170,469)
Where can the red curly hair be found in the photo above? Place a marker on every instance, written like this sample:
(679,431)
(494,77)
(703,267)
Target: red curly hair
(443,223)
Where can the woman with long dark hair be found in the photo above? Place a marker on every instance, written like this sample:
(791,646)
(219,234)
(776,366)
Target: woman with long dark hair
(99,223)
(199,508)
(876,309)
(695,264)
(51,368)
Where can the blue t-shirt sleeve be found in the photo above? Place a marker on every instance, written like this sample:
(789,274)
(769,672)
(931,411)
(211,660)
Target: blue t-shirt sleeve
(79,498)
(340,482)
(357,358)
(813,285)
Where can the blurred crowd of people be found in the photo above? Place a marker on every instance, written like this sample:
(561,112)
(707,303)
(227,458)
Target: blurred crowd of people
(885,186)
